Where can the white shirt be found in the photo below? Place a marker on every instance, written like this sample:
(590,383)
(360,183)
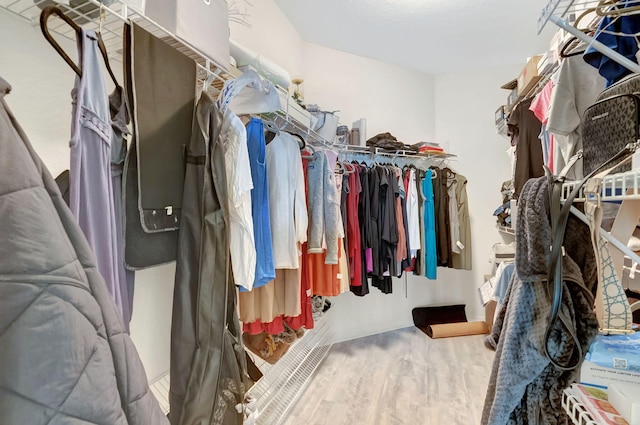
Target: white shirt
(239,185)
(287,200)
(413,216)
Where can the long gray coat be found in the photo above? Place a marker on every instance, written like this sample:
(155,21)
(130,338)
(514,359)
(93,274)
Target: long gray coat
(64,355)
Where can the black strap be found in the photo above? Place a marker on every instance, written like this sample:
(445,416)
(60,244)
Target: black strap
(559,218)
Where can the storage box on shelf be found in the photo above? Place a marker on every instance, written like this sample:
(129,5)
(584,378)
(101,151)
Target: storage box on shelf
(593,374)
(529,76)
(203,24)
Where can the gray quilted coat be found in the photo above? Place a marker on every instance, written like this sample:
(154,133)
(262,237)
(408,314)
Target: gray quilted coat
(64,356)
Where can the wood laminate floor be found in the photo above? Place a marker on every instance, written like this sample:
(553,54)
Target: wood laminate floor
(396,378)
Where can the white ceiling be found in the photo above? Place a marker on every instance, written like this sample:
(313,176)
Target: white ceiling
(434,36)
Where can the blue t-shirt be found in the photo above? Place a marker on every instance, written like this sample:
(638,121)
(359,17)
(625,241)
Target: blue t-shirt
(627,46)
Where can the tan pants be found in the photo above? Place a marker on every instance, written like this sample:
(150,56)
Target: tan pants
(279,297)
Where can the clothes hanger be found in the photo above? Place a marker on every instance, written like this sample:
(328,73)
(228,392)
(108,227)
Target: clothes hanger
(612,8)
(103,48)
(46,13)
(313,152)
(211,76)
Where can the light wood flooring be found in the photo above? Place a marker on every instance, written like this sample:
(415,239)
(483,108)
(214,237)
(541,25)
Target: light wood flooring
(396,378)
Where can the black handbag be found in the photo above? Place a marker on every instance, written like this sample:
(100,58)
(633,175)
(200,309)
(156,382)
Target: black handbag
(607,127)
(559,216)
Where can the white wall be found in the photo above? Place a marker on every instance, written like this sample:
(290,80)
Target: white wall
(392,98)
(272,36)
(465,105)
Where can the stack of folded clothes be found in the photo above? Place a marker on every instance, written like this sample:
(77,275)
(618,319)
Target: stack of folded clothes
(389,142)
(429,148)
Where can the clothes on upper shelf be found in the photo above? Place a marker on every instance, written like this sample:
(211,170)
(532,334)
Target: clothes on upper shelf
(64,349)
(618,32)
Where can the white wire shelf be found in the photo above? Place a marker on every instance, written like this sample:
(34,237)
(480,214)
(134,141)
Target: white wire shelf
(399,157)
(563,9)
(576,411)
(507,230)
(564,12)
(86,13)
(284,382)
(615,187)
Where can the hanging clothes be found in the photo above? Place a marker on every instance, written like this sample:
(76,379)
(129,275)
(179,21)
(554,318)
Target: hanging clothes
(287,200)
(454,221)
(288,219)
(430,251)
(441,204)
(91,192)
(388,231)
(524,129)
(401,250)
(208,366)
(419,265)
(463,260)
(265,269)
(324,209)
(366,237)
(239,187)
(413,213)
(354,254)
(119,119)
(64,352)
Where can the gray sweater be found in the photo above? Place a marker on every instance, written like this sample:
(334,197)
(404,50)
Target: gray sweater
(324,209)
(525,387)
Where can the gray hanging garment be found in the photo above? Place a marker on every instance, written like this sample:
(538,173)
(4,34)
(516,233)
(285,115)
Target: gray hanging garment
(64,352)
(142,249)
(164,82)
(208,364)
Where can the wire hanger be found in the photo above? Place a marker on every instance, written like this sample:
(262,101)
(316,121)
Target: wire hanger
(44,17)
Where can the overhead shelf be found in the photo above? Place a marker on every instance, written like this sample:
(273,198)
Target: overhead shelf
(87,14)
(564,12)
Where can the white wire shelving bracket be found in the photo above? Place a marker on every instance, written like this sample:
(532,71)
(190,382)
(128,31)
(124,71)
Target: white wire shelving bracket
(559,11)
(615,187)
(399,157)
(87,14)
(576,411)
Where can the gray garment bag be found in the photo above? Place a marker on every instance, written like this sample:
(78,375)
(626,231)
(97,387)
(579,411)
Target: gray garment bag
(151,235)
(208,362)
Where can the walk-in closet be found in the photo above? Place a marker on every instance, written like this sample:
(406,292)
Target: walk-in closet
(287,212)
